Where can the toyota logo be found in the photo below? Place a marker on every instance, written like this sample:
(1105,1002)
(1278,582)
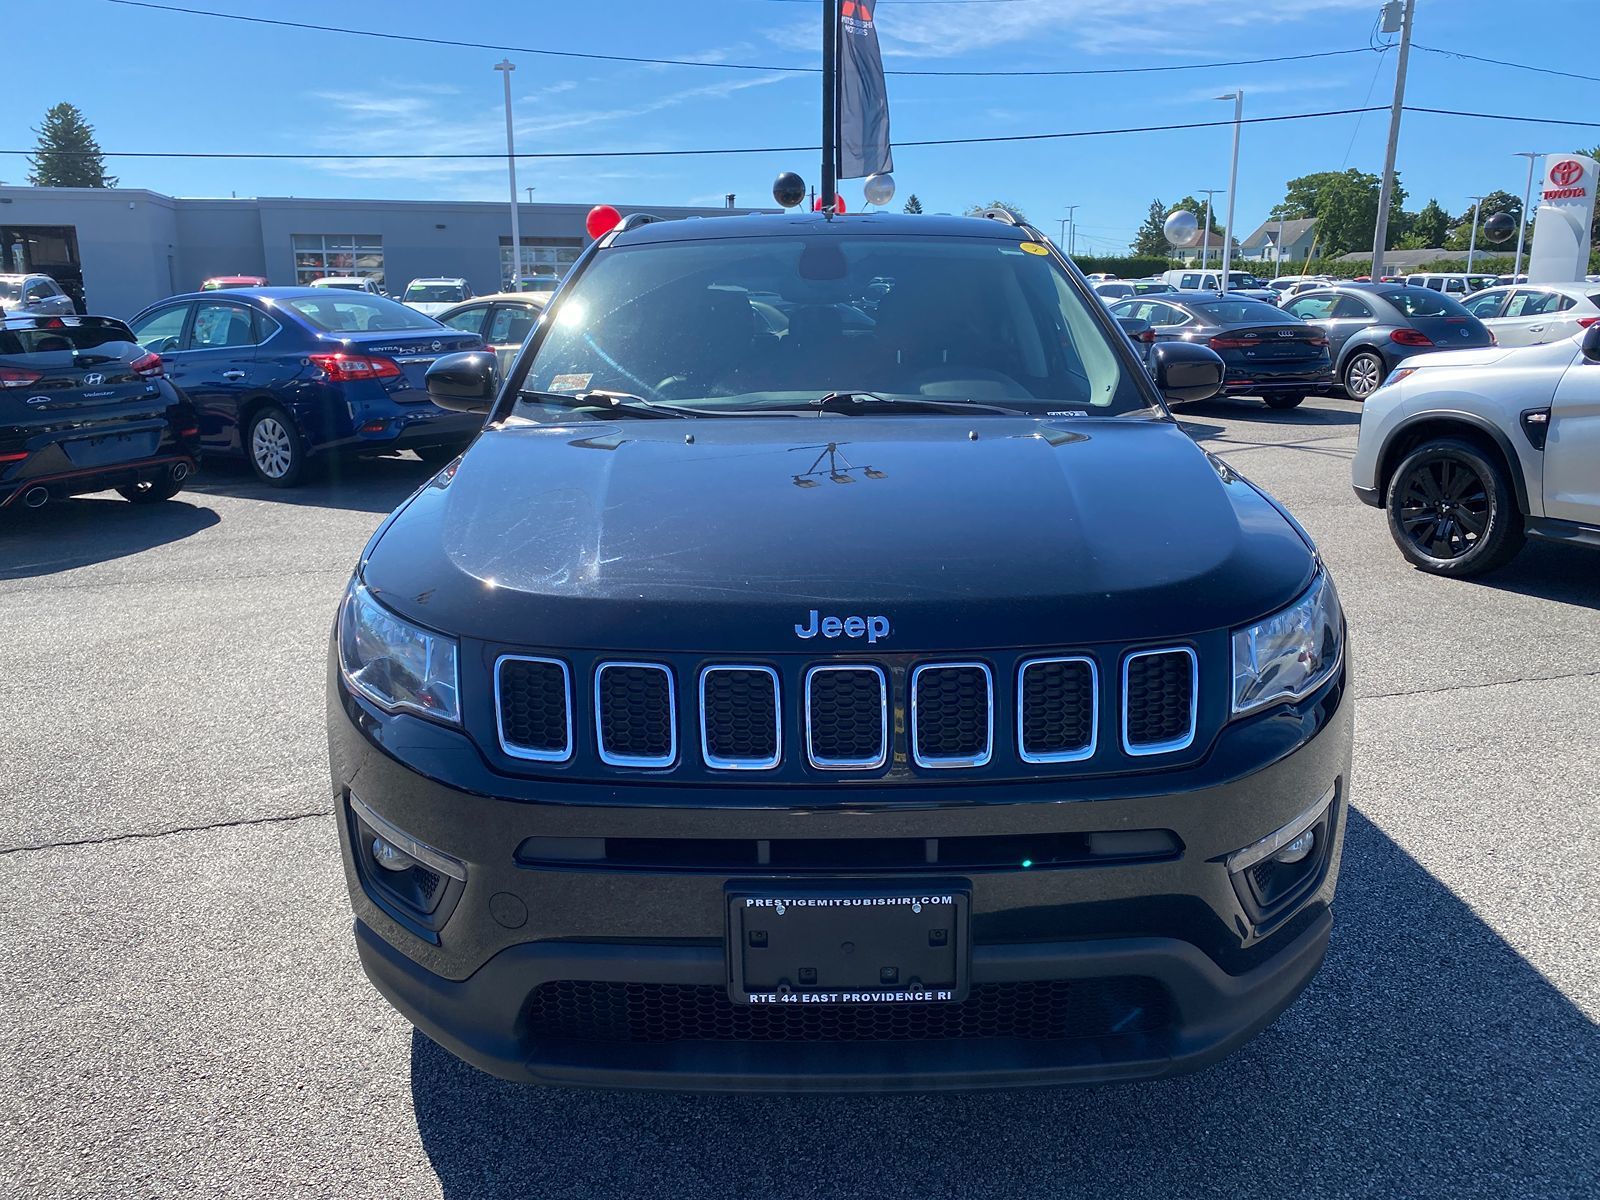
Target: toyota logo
(93,379)
(1566,172)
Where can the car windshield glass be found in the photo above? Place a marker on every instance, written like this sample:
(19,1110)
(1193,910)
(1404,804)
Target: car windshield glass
(95,343)
(436,293)
(344,313)
(1424,302)
(10,289)
(746,323)
(1237,312)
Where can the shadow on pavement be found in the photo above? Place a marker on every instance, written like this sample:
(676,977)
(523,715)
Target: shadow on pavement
(1548,571)
(1315,413)
(67,534)
(375,485)
(1428,1058)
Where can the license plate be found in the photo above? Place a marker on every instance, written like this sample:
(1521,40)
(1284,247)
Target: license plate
(899,944)
(111,448)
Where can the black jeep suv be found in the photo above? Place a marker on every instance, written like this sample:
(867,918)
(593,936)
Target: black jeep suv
(833,668)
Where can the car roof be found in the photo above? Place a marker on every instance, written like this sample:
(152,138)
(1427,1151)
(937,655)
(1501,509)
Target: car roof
(535,298)
(429,279)
(244,295)
(693,229)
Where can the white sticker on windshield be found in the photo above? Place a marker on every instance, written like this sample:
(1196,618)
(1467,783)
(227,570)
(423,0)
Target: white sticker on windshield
(570,383)
(1067,412)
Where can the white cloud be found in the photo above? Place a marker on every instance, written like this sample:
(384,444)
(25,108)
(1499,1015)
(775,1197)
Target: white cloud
(1164,27)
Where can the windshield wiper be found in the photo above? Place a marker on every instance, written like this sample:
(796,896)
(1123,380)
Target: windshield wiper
(607,403)
(857,403)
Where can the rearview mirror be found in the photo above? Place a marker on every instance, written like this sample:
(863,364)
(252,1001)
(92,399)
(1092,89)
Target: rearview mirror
(1186,372)
(1591,344)
(464,382)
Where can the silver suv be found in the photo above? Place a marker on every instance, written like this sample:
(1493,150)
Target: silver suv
(1471,451)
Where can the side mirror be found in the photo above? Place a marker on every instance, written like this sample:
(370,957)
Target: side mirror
(1591,344)
(1186,372)
(1138,330)
(464,382)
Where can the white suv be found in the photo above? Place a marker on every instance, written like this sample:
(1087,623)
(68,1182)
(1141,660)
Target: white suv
(1470,451)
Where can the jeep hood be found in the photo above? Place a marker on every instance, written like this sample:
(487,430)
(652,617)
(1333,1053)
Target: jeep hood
(723,534)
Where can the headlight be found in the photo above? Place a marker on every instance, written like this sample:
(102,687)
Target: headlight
(1292,652)
(392,662)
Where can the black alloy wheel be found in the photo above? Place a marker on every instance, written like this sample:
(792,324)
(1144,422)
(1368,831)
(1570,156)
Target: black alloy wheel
(1452,510)
(151,491)
(1284,400)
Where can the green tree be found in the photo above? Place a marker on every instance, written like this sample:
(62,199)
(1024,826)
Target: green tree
(913,205)
(1429,227)
(1495,202)
(1345,204)
(977,210)
(1198,208)
(1150,239)
(67,154)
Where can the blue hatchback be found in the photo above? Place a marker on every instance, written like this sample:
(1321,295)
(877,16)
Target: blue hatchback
(282,374)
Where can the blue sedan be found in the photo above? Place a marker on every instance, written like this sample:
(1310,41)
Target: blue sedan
(280,375)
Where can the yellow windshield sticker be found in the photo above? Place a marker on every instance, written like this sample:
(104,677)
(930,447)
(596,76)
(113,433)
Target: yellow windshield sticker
(1034,248)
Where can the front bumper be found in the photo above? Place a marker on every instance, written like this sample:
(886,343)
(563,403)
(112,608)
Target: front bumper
(514,943)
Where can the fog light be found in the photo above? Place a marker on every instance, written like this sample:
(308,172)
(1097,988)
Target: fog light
(1297,850)
(391,858)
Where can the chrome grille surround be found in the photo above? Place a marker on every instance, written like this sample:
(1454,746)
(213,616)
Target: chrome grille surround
(851,764)
(1171,745)
(636,760)
(743,764)
(524,752)
(1059,756)
(946,761)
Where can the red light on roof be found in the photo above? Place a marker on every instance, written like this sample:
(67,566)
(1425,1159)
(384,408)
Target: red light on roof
(838,204)
(602,219)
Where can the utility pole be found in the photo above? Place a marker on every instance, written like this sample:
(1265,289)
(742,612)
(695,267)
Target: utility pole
(1472,242)
(1233,184)
(1380,235)
(1205,225)
(1527,199)
(1070,226)
(830,100)
(1277,252)
(505,66)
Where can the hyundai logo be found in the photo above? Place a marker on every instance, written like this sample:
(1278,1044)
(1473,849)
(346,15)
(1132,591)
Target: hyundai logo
(93,379)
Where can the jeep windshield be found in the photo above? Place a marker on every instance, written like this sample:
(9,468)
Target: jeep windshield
(774,324)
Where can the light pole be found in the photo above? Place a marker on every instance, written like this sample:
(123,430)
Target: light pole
(1277,251)
(1205,226)
(505,66)
(1472,242)
(1233,184)
(1381,231)
(1527,199)
(1069,222)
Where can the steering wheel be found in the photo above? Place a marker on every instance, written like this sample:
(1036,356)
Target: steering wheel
(673,388)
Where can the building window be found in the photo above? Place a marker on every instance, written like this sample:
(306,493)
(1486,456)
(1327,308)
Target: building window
(319,254)
(548,256)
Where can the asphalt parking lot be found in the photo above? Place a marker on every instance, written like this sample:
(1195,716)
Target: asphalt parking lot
(184,1015)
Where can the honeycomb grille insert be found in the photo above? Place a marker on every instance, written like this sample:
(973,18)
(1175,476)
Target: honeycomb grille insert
(740,728)
(636,715)
(534,702)
(1056,706)
(1035,1011)
(952,715)
(847,718)
(1158,701)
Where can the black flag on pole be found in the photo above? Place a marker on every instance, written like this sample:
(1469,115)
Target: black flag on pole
(863,101)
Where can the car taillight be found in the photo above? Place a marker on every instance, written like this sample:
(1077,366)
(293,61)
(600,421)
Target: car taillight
(1319,340)
(1585,322)
(1229,343)
(18,377)
(343,368)
(148,366)
(1409,337)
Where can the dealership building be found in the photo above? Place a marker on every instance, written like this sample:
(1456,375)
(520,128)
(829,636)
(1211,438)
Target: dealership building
(118,249)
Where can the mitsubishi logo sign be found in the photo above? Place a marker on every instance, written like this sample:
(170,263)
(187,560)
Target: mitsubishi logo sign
(1566,173)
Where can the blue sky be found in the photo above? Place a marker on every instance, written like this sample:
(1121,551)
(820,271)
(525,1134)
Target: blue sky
(195,83)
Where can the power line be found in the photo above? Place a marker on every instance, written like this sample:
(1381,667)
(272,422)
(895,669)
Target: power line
(502,48)
(719,150)
(1500,62)
(1452,112)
